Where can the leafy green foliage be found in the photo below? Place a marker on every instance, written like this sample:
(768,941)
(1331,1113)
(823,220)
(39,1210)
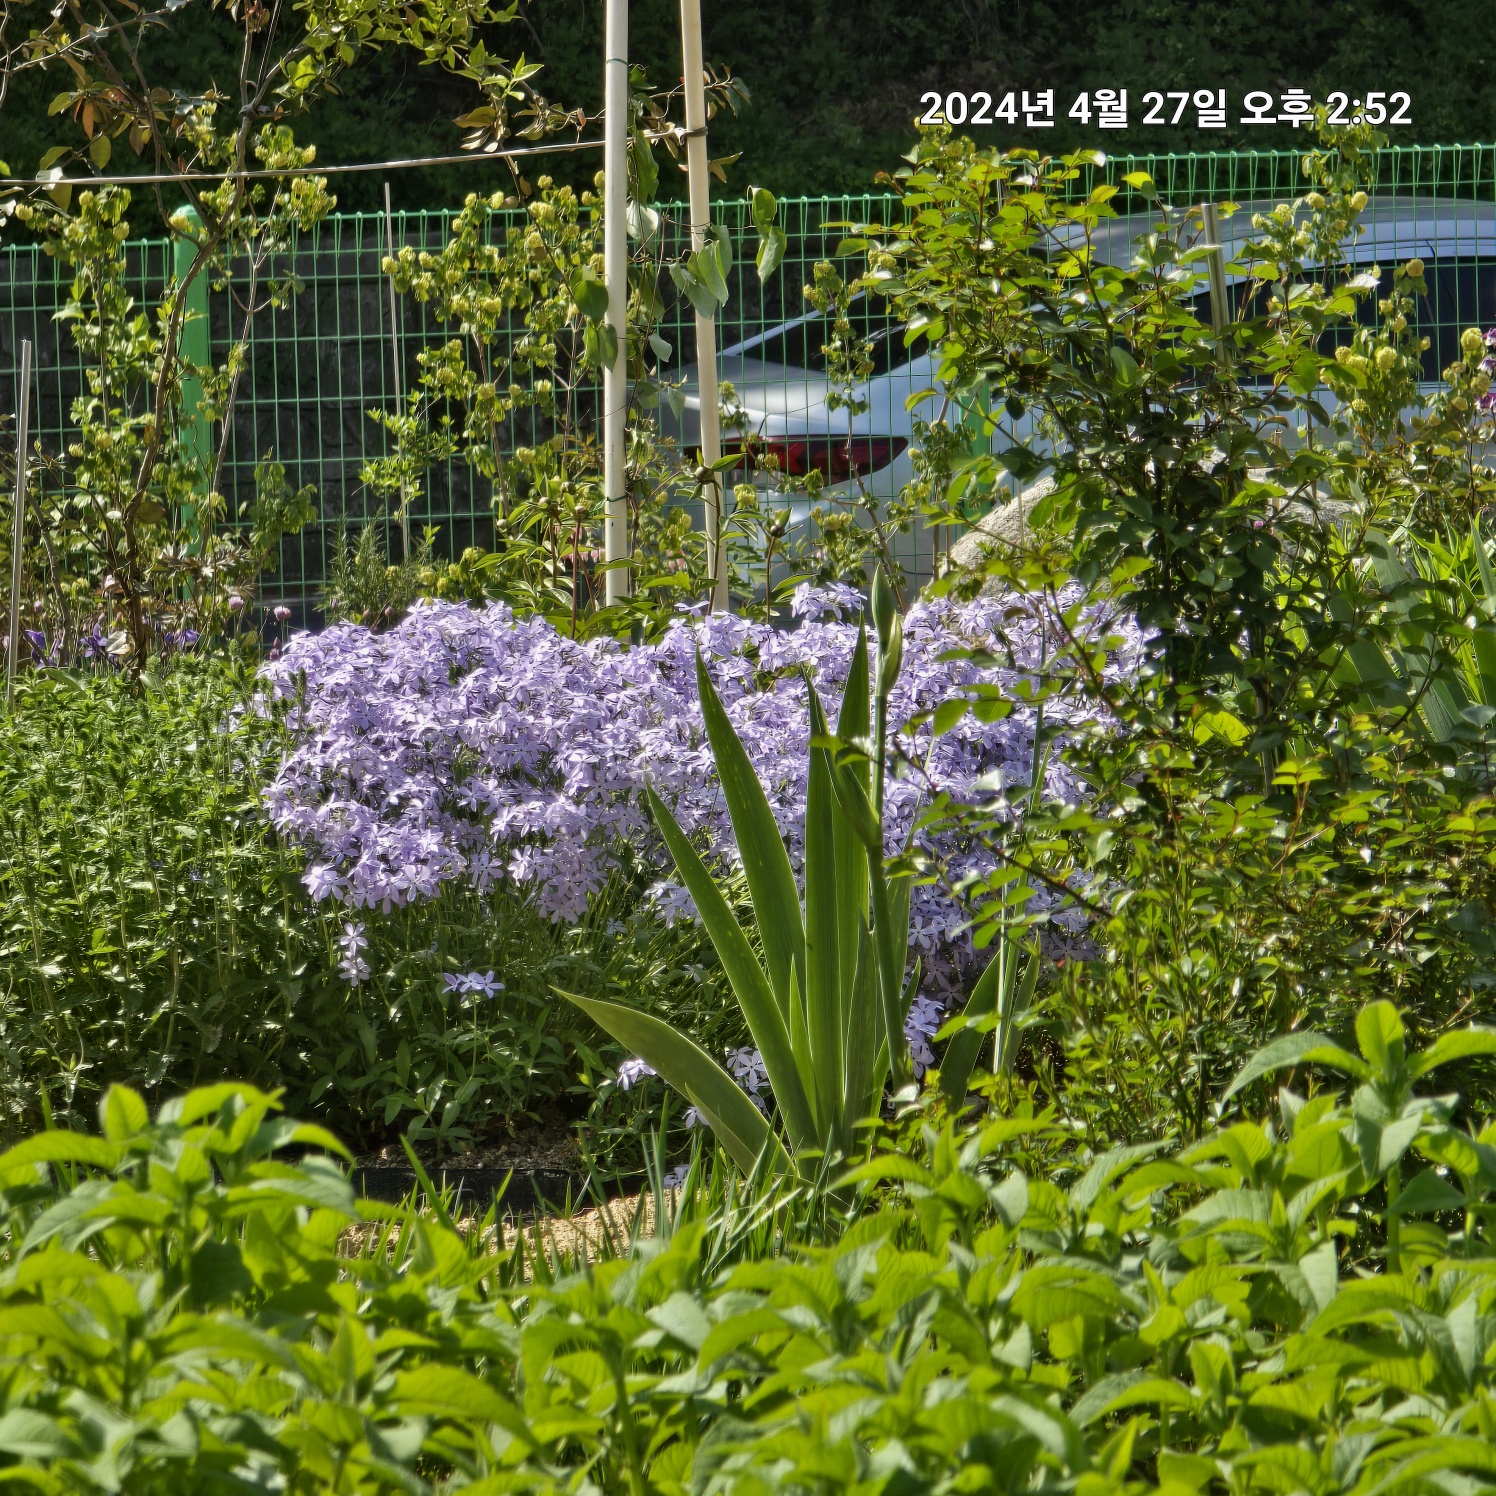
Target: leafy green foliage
(152,931)
(988,1310)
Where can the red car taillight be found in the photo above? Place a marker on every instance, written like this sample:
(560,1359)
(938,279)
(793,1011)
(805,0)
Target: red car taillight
(835,458)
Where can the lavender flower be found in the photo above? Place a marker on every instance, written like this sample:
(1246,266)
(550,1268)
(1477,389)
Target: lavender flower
(828,600)
(353,943)
(746,1066)
(920,1027)
(632,1071)
(474,984)
(473,746)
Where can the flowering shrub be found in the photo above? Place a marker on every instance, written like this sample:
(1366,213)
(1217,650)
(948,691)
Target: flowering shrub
(478,746)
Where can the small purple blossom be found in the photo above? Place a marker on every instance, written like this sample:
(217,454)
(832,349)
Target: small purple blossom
(353,942)
(632,1071)
(746,1066)
(920,1027)
(474,983)
(826,600)
(281,613)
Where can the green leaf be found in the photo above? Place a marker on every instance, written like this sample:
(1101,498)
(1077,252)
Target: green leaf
(600,343)
(867,1059)
(1125,367)
(823,981)
(123,1114)
(949,713)
(451,1392)
(694,289)
(853,721)
(590,295)
(1379,1032)
(765,208)
(1460,1045)
(691,1070)
(763,1014)
(766,864)
(1297,1049)
(1012,1009)
(1425,1193)
(60,1148)
(771,250)
(964,1047)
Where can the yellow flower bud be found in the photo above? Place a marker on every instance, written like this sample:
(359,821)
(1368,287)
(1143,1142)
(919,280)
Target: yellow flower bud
(1342,355)
(1414,269)
(1316,201)
(1386,357)
(1358,201)
(1399,323)
(1471,342)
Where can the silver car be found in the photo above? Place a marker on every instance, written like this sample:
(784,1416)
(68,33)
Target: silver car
(779,376)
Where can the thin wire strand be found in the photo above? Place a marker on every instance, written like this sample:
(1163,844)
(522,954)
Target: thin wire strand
(553,148)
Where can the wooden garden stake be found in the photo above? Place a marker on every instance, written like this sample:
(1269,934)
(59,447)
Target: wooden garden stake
(699,176)
(23,436)
(616,548)
(389,249)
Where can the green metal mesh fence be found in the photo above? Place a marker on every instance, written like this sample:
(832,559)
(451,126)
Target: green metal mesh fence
(321,362)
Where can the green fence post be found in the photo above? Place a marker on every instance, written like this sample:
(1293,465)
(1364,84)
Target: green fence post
(195,434)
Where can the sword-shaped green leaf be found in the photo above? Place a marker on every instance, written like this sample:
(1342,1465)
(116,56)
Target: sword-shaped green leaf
(764,1016)
(824,1003)
(690,1069)
(805,1060)
(854,720)
(867,1057)
(771,882)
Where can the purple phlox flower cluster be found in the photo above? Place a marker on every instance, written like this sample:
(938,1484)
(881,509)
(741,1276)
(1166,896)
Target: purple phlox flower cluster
(474,984)
(473,746)
(1487,402)
(632,1071)
(353,942)
(926,1014)
(825,600)
(671,901)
